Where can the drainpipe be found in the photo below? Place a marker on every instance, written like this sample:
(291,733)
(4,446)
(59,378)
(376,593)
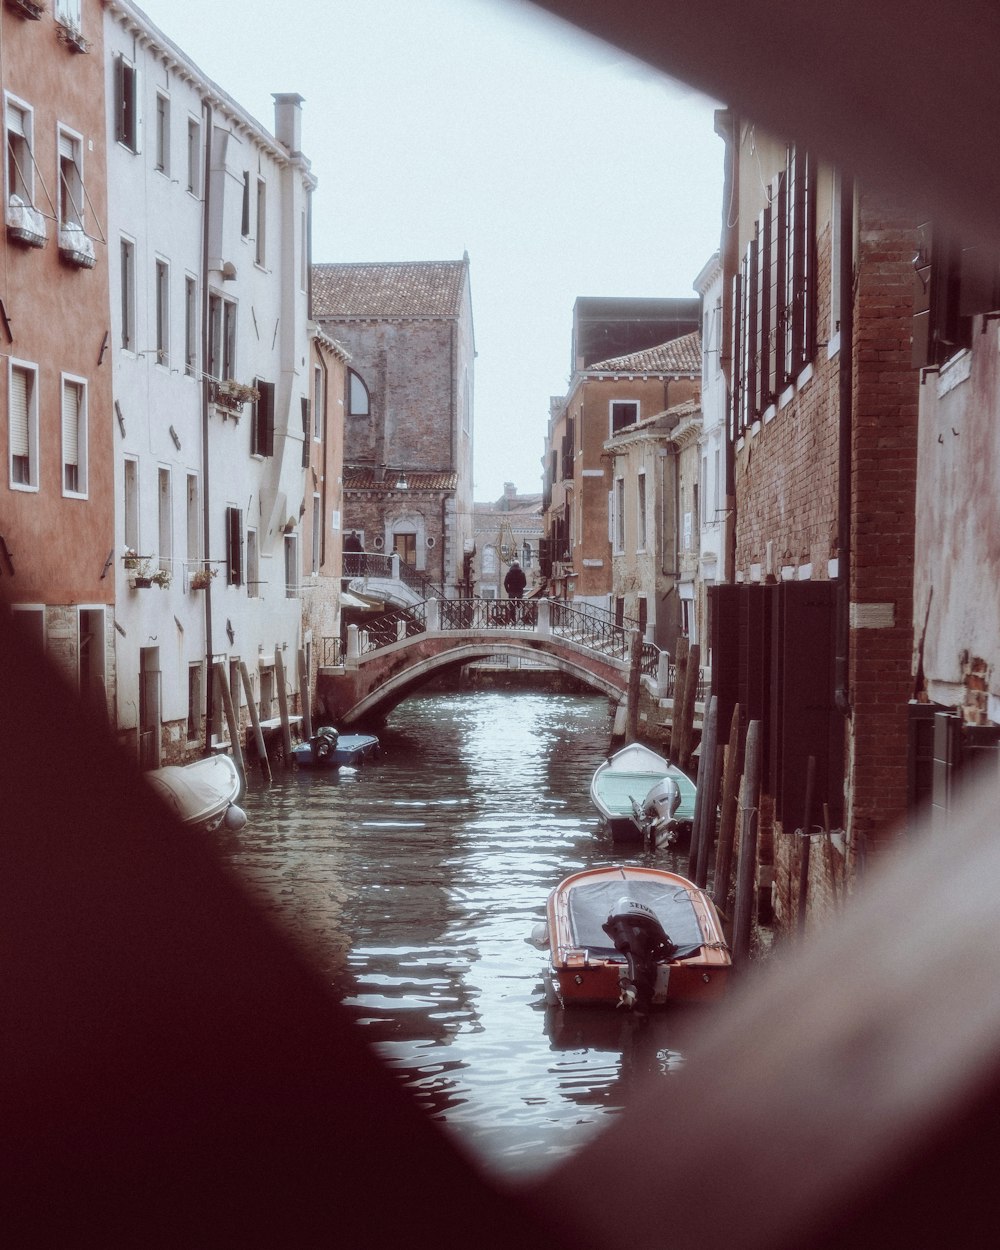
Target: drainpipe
(205,392)
(846,397)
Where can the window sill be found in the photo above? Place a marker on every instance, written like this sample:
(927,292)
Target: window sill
(956,370)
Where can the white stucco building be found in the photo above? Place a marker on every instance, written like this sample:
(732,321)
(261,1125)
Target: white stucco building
(209,268)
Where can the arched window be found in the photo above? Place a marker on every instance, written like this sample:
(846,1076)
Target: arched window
(358,401)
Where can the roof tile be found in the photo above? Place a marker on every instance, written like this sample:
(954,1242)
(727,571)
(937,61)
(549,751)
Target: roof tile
(681,355)
(371,289)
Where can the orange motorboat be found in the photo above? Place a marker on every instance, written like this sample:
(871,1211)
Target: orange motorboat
(631,937)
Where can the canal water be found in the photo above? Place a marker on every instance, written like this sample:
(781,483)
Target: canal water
(415,884)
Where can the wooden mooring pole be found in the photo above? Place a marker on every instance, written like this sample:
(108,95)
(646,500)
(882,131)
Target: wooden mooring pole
(258,733)
(706,797)
(286,729)
(805,849)
(304,694)
(677,698)
(225,694)
(746,871)
(727,813)
(634,683)
(687,708)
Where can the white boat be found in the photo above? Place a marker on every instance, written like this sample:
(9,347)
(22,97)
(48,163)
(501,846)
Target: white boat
(203,794)
(630,792)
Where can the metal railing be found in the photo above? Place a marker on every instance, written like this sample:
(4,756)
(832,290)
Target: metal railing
(377,564)
(389,627)
(584,624)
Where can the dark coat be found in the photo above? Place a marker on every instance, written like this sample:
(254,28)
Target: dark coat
(514,582)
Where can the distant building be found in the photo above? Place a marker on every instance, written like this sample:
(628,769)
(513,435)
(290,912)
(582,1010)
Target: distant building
(510,528)
(408,330)
(605,398)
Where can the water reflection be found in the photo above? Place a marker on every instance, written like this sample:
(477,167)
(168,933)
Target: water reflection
(415,885)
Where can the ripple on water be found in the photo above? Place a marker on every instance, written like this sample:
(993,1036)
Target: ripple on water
(415,884)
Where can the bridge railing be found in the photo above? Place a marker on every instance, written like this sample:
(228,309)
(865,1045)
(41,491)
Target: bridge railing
(488,613)
(367,564)
(389,627)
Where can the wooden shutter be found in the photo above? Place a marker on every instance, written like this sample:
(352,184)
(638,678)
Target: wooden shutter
(20,405)
(71,409)
(735,366)
(306,430)
(234,546)
(262,437)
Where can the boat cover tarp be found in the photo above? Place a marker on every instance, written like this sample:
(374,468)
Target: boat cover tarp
(618,789)
(199,790)
(591,903)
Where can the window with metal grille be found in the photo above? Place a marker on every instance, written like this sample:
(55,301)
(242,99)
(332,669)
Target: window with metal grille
(623,414)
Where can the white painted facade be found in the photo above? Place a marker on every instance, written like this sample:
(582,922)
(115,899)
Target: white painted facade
(711,444)
(208,275)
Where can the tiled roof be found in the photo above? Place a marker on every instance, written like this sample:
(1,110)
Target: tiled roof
(427,288)
(681,355)
(416,479)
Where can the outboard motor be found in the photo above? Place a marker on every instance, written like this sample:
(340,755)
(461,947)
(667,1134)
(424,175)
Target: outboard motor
(639,936)
(324,742)
(660,808)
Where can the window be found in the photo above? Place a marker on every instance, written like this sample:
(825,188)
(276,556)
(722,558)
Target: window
(23,424)
(194,156)
(619,514)
(704,491)
(193,514)
(128,294)
(642,613)
(190,326)
(126,103)
(194,702)
(641,511)
(253,565)
(291,566)
(162,133)
(221,338)
(623,413)
(489,564)
(262,421)
(306,422)
(164,518)
(405,546)
(74,436)
(162,281)
(131,504)
(317,532)
(319,400)
(358,399)
(20,163)
(68,11)
(234,546)
(800,261)
(70,179)
(953,284)
(245,214)
(259,250)
(716,484)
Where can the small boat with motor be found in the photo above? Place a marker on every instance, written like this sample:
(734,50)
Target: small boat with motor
(329,749)
(202,794)
(633,937)
(631,793)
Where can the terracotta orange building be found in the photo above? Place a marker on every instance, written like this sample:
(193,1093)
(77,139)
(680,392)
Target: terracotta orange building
(56,414)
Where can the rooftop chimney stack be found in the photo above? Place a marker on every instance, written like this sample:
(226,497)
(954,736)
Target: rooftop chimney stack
(288,120)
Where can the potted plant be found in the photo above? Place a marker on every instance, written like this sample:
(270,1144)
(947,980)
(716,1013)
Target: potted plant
(201,578)
(145,573)
(232,395)
(130,558)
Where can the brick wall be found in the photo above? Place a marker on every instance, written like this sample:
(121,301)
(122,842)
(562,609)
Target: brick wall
(883,493)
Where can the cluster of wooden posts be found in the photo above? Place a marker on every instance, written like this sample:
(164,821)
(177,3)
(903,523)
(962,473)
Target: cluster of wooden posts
(224,695)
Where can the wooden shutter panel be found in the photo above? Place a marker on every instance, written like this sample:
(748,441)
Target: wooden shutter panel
(71,423)
(234,546)
(20,403)
(306,430)
(736,355)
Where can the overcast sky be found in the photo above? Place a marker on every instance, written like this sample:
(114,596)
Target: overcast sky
(436,127)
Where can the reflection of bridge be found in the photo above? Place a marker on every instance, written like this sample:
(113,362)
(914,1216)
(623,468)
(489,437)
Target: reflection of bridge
(398,651)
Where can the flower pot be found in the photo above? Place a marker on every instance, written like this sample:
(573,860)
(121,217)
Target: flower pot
(141,583)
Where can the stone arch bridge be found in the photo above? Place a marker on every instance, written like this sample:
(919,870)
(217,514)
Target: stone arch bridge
(400,650)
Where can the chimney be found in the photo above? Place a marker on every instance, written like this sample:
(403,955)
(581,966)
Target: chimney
(288,120)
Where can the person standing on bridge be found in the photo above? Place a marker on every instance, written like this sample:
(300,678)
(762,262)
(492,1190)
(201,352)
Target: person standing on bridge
(514,584)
